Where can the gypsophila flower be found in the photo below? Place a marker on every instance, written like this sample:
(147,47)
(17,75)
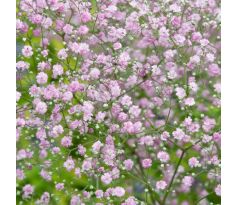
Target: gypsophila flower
(161,185)
(218,190)
(27,51)
(193,162)
(27,191)
(146,163)
(106,178)
(41,108)
(163,156)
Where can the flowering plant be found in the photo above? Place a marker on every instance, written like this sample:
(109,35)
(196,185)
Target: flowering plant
(118,102)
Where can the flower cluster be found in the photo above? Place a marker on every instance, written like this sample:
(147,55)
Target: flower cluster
(118,102)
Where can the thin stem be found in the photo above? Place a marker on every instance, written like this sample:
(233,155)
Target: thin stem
(204,197)
(172,179)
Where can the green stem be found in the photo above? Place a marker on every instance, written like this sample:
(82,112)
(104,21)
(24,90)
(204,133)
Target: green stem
(172,179)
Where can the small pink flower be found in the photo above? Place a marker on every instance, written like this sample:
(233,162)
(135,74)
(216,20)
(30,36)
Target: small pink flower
(189,101)
(57,70)
(67,96)
(96,147)
(128,164)
(218,190)
(75,200)
(117,46)
(85,17)
(27,191)
(81,150)
(187,181)
(20,174)
(163,156)
(41,108)
(22,65)
(69,164)
(18,96)
(164,136)
(146,163)
(68,29)
(66,141)
(178,134)
(62,54)
(180,92)
(45,175)
(41,78)
(118,191)
(82,30)
(95,73)
(87,164)
(59,186)
(161,185)
(106,178)
(99,194)
(193,162)
(27,51)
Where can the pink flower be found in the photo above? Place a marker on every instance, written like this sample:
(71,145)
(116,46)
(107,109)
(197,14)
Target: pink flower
(62,54)
(85,16)
(178,134)
(22,65)
(187,181)
(66,141)
(128,164)
(164,136)
(126,100)
(218,190)
(146,163)
(214,70)
(45,175)
(94,74)
(67,96)
(57,130)
(100,116)
(82,30)
(68,29)
(179,39)
(189,101)
(78,172)
(163,156)
(20,174)
(45,198)
(41,108)
(27,191)
(69,164)
(117,46)
(130,201)
(27,51)
(59,186)
(193,162)
(75,86)
(124,59)
(81,150)
(99,194)
(96,147)
(18,96)
(41,78)
(57,70)
(87,164)
(161,185)
(75,200)
(106,178)
(79,48)
(118,191)
(180,92)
